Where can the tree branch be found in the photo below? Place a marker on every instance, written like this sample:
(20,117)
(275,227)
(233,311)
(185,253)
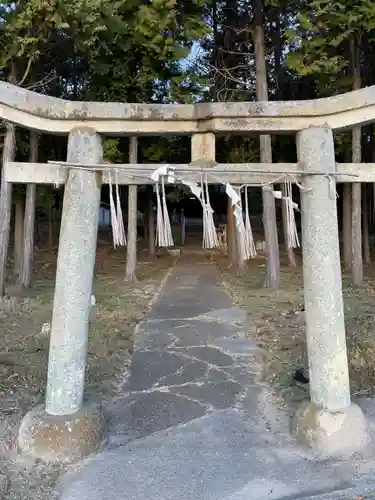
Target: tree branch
(26,73)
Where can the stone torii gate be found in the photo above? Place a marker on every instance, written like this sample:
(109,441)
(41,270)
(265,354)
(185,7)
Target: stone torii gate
(65,428)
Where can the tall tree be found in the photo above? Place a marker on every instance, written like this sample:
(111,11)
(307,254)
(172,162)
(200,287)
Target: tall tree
(6,203)
(357,261)
(278,70)
(29,225)
(272,278)
(131,255)
(140,52)
(27,28)
(331,32)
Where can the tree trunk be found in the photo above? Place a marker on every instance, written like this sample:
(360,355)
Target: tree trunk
(365,222)
(215,50)
(231,237)
(272,278)
(55,225)
(371,187)
(347,224)
(151,222)
(131,260)
(6,204)
(240,263)
(347,215)
(357,262)
(145,222)
(289,251)
(50,230)
(19,218)
(29,226)
(38,237)
(278,69)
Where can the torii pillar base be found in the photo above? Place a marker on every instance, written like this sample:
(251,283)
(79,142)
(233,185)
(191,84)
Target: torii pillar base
(61,438)
(330,434)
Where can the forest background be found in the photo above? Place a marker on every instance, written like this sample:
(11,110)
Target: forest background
(164,51)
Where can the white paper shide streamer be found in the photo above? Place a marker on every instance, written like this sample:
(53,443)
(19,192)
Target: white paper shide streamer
(164,237)
(241,234)
(240,227)
(246,245)
(210,239)
(117,222)
(290,207)
(249,238)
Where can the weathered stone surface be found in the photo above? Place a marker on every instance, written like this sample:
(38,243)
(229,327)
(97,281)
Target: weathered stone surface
(220,395)
(237,347)
(153,340)
(65,438)
(229,315)
(47,173)
(185,304)
(176,373)
(193,371)
(58,115)
(324,311)
(149,367)
(218,456)
(331,434)
(74,277)
(217,375)
(203,147)
(198,332)
(4,485)
(210,355)
(150,412)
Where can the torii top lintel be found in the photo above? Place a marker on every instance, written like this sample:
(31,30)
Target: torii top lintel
(50,114)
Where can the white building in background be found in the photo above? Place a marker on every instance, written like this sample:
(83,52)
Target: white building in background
(105,216)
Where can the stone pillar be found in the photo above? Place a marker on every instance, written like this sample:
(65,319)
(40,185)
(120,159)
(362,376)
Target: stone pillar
(203,146)
(203,149)
(329,423)
(64,429)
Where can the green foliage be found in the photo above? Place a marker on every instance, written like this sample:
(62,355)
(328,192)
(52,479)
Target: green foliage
(45,197)
(140,51)
(107,50)
(165,149)
(240,149)
(322,34)
(155,151)
(131,51)
(28,28)
(111,151)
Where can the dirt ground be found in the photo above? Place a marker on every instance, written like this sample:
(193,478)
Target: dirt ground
(24,355)
(276,319)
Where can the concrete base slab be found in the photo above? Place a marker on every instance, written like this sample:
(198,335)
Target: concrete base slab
(331,434)
(57,439)
(217,456)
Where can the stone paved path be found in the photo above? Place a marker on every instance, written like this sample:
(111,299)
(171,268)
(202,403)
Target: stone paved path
(191,423)
(186,360)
